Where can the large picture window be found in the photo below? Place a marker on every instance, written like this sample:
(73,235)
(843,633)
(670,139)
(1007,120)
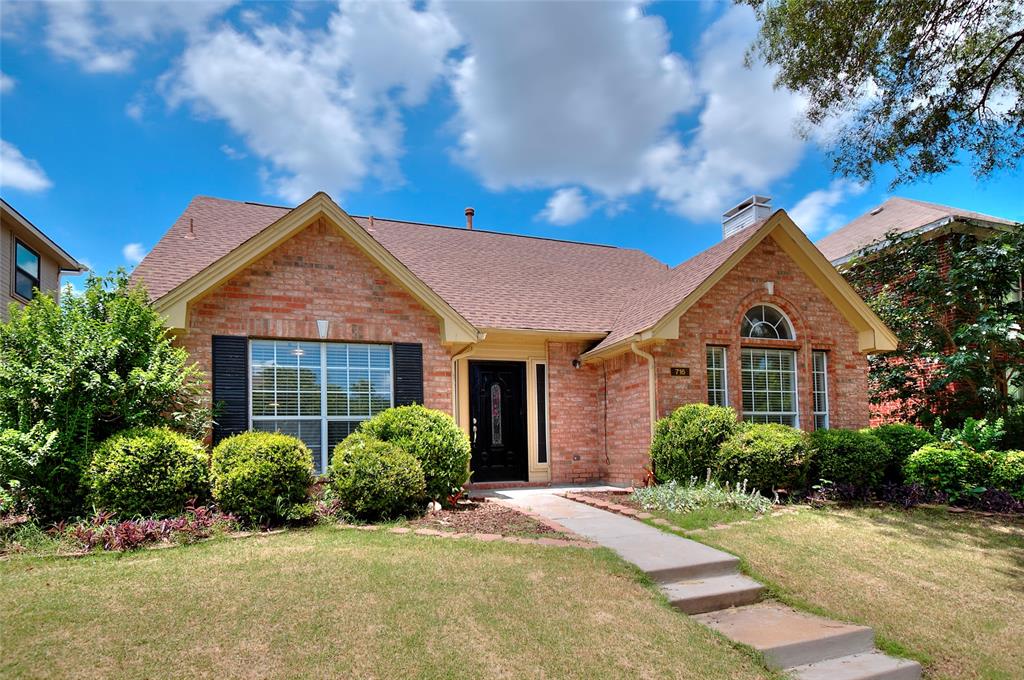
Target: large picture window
(317,391)
(718,392)
(26,270)
(769,386)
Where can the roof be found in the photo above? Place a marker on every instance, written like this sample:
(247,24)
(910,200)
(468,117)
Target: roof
(494,280)
(66,262)
(896,214)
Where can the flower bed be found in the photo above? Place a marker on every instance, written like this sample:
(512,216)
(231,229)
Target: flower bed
(490,517)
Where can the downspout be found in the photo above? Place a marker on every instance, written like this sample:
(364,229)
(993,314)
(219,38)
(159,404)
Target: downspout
(651,382)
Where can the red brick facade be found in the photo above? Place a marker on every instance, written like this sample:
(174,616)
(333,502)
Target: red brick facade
(320,274)
(575,410)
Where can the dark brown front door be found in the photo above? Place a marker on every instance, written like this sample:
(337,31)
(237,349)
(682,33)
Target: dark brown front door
(497,420)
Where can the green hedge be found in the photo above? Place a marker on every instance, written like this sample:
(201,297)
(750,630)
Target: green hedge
(902,440)
(686,442)
(769,457)
(148,471)
(941,467)
(262,477)
(1008,473)
(848,457)
(433,438)
(376,479)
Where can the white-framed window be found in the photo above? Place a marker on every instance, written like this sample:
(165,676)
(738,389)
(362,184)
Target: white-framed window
(317,391)
(769,386)
(766,321)
(718,383)
(820,374)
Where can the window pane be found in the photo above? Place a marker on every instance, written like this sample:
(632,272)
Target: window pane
(717,393)
(769,385)
(764,321)
(27,261)
(820,374)
(24,284)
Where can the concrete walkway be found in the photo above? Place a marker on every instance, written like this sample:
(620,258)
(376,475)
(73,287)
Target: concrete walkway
(705,582)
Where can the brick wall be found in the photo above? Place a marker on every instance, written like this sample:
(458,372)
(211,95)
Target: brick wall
(575,412)
(320,274)
(628,419)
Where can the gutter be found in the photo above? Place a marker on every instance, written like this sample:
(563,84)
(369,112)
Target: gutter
(651,383)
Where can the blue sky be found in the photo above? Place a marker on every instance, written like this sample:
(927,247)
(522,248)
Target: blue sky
(634,125)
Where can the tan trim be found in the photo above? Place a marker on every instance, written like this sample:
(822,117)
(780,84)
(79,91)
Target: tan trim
(873,336)
(652,383)
(558,336)
(927,232)
(176,303)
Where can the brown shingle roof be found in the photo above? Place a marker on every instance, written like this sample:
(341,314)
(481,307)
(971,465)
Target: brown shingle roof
(896,214)
(493,280)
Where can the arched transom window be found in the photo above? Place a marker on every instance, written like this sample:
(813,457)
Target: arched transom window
(764,321)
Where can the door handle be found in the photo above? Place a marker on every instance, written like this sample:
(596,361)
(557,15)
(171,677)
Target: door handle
(474,431)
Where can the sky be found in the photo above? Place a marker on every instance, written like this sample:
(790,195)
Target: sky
(632,124)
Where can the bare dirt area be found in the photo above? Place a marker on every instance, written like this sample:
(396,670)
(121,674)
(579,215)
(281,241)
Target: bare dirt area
(488,517)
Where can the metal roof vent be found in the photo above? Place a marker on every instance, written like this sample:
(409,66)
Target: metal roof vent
(745,213)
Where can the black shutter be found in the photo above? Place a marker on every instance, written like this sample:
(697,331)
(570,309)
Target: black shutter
(230,385)
(408,373)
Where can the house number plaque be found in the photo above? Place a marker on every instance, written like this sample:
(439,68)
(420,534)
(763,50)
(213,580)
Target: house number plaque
(683,371)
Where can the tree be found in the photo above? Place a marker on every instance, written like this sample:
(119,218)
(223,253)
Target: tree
(954,303)
(911,83)
(85,368)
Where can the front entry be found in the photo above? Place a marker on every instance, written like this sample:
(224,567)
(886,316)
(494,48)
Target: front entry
(497,421)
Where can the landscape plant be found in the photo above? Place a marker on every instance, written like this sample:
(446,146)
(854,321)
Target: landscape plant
(30,470)
(374,479)
(1008,473)
(769,457)
(696,494)
(858,459)
(941,467)
(902,439)
(686,442)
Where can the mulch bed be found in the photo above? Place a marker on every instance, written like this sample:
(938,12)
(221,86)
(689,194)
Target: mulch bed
(618,497)
(489,517)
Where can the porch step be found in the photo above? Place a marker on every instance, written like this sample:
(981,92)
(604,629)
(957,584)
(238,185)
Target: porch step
(789,638)
(869,666)
(709,594)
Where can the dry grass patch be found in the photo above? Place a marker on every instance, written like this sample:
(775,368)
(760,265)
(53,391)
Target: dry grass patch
(346,603)
(949,588)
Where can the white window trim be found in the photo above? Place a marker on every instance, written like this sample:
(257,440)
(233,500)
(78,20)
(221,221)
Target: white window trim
(824,366)
(323,417)
(792,328)
(724,369)
(796,387)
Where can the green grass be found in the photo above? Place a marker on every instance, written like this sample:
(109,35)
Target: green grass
(945,589)
(702,518)
(330,602)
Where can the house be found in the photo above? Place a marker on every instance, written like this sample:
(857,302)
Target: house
(29,260)
(555,357)
(866,235)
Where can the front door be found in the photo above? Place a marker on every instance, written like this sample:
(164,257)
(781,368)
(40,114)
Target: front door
(497,421)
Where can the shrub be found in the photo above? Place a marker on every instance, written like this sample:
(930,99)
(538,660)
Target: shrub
(29,465)
(769,457)
(87,367)
(1008,474)
(262,477)
(376,479)
(980,435)
(694,495)
(686,442)
(942,467)
(148,471)
(848,457)
(433,438)
(1013,423)
(902,440)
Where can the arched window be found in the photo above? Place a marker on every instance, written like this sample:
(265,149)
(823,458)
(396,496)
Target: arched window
(764,321)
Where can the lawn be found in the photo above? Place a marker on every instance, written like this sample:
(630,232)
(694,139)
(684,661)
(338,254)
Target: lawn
(336,602)
(948,588)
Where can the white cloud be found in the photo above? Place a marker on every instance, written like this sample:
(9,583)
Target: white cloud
(566,206)
(232,153)
(133,253)
(815,213)
(321,108)
(18,172)
(6,83)
(104,37)
(564,93)
(135,108)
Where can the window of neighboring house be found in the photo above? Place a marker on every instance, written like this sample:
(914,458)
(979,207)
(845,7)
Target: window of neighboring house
(26,270)
(317,391)
(820,374)
(769,386)
(718,393)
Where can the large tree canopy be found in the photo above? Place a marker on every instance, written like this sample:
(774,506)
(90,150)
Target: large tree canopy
(910,83)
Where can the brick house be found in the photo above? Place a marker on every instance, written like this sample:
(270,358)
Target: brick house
(865,236)
(555,357)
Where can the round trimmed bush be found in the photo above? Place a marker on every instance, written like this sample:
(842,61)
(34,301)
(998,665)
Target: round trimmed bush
(848,457)
(1008,474)
(262,477)
(941,467)
(686,442)
(376,479)
(433,438)
(148,471)
(902,440)
(769,457)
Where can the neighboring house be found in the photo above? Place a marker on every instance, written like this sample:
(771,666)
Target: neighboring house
(865,236)
(29,260)
(554,356)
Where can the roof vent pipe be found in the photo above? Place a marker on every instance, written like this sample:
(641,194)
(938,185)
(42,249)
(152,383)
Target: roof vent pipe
(469,218)
(745,213)
(191,228)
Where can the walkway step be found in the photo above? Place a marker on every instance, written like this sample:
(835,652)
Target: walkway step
(789,638)
(710,594)
(870,666)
